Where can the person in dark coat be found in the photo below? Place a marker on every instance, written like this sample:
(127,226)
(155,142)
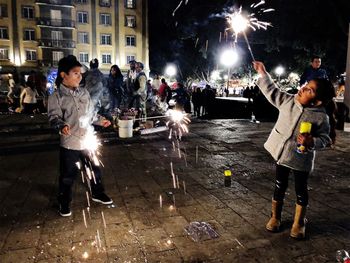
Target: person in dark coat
(114,85)
(313,72)
(197,101)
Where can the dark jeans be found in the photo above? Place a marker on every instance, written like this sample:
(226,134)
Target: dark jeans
(69,172)
(300,178)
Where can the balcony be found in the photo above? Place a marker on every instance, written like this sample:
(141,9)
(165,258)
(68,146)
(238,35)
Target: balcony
(48,63)
(56,2)
(46,21)
(49,43)
(105,3)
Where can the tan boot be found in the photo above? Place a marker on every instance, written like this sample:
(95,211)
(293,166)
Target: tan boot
(298,228)
(275,221)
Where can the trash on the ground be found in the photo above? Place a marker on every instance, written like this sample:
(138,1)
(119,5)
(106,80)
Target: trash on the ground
(199,231)
(342,256)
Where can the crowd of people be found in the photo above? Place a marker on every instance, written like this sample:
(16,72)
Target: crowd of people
(116,92)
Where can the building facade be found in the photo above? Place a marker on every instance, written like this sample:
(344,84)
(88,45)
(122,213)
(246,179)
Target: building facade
(36,34)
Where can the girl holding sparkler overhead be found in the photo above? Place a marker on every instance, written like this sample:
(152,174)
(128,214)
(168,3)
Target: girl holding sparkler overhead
(69,111)
(291,145)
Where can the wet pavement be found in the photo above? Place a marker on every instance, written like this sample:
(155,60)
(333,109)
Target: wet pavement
(137,171)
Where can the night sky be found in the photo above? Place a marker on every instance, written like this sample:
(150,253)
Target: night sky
(300,29)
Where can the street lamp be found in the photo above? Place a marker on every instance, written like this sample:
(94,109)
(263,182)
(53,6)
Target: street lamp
(279,71)
(228,58)
(170,70)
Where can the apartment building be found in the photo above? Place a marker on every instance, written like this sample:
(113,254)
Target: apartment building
(36,34)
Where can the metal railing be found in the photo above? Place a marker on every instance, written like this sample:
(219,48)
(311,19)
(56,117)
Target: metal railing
(46,21)
(64,43)
(55,2)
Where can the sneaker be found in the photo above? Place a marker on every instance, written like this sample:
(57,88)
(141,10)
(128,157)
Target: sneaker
(65,210)
(102,198)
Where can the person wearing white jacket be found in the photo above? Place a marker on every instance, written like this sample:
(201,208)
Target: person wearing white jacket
(28,98)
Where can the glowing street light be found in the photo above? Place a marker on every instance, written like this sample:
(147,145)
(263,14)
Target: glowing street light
(170,70)
(279,71)
(229,57)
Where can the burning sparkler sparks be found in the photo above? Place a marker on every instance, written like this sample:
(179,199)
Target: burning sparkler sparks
(239,22)
(178,122)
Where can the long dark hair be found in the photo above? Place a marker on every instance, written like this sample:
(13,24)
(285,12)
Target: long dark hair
(118,72)
(325,92)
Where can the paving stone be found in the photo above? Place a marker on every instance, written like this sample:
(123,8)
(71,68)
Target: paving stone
(19,255)
(136,172)
(174,226)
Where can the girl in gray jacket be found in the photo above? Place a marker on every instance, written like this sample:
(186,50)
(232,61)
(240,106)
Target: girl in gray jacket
(308,105)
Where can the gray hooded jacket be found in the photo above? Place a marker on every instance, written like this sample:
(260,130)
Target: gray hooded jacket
(282,142)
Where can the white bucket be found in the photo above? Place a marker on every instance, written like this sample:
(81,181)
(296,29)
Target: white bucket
(125,128)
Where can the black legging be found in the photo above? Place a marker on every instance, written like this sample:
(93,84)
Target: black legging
(300,178)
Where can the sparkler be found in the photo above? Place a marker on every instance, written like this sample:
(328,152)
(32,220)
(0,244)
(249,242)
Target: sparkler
(84,218)
(103,219)
(87,198)
(240,22)
(160,201)
(85,255)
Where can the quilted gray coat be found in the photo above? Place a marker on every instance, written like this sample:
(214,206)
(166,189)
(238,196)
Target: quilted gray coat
(282,142)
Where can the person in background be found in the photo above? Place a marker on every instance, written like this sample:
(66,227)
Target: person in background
(313,72)
(156,82)
(28,98)
(197,101)
(114,85)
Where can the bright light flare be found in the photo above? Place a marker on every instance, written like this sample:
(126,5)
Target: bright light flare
(229,57)
(215,75)
(279,70)
(238,22)
(170,70)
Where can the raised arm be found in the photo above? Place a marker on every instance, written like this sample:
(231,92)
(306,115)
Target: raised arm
(267,86)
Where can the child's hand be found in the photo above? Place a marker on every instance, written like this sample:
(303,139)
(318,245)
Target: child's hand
(105,123)
(259,67)
(65,130)
(305,139)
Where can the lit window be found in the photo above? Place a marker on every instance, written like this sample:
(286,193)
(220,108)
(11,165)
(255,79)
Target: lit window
(130,21)
(131,4)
